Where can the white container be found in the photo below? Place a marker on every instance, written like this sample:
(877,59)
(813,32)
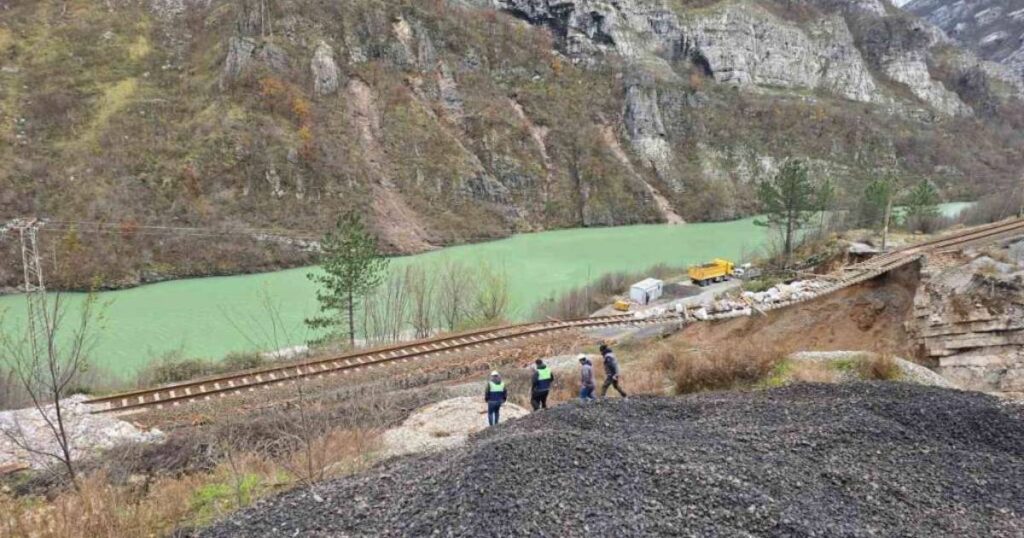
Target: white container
(646,291)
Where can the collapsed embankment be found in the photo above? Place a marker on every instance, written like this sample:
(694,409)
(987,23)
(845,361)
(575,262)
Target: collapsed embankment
(812,460)
(869,316)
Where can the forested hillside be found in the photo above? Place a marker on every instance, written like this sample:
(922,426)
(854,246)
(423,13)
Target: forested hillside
(448,121)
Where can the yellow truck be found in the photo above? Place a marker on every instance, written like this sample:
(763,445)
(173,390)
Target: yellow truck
(716,271)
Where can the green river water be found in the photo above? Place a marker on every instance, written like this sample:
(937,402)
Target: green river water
(209,317)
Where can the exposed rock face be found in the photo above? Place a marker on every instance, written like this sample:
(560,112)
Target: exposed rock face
(911,69)
(467,124)
(326,77)
(993,28)
(969,320)
(645,127)
(739,43)
(744,45)
(245,53)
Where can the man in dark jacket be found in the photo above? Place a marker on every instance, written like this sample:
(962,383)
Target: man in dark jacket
(542,379)
(611,371)
(494,395)
(587,384)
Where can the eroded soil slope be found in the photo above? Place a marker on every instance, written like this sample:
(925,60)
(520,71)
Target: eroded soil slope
(869,316)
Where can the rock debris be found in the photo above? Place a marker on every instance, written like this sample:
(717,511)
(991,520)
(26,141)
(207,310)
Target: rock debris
(860,459)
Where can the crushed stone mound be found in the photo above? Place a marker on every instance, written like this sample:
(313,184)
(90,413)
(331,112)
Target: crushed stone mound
(442,425)
(859,459)
(89,434)
(909,371)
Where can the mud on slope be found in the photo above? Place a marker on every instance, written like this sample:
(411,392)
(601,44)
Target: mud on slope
(869,316)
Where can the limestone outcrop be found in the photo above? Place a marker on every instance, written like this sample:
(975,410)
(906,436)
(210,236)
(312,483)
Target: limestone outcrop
(969,322)
(992,28)
(326,77)
(746,46)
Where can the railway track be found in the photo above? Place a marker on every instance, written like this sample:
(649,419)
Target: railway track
(223,386)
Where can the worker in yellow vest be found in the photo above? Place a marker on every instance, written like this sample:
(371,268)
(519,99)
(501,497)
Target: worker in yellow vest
(495,395)
(542,379)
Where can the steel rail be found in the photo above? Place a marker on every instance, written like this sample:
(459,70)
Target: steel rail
(222,386)
(205,389)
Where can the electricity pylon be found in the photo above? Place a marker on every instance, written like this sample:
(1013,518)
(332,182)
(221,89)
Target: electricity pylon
(38,321)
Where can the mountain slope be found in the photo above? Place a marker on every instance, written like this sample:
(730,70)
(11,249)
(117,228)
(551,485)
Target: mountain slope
(446,122)
(993,28)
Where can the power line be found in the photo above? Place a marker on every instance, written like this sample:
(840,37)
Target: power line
(130,228)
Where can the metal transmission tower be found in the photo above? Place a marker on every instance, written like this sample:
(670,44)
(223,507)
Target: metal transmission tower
(38,321)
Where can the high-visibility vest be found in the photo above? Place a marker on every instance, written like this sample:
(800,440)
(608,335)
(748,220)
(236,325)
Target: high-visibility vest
(497,387)
(543,374)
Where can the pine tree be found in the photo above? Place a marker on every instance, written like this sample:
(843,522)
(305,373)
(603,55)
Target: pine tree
(825,198)
(352,266)
(922,205)
(788,201)
(878,200)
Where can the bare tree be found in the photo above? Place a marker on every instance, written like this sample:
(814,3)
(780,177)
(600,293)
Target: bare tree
(45,365)
(385,314)
(396,301)
(455,291)
(421,284)
(492,300)
(304,442)
(268,329)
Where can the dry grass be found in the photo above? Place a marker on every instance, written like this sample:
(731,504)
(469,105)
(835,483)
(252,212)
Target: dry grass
(880,367)
(812,372)
(719,368)
(158,506)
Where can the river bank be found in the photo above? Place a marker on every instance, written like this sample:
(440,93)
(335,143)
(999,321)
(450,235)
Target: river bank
(211,317)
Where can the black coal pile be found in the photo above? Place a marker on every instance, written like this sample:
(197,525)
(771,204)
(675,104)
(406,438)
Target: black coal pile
(866,459)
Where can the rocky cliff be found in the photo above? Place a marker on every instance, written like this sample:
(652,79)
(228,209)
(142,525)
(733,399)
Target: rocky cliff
(454,121)
(969,318)
(992,28)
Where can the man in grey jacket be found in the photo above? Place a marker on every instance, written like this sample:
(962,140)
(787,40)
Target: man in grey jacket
(611,371)
(586,379)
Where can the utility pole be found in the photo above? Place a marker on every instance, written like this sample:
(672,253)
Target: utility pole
(1020,214)
(35,289)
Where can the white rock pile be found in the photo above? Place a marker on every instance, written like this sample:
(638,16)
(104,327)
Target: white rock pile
(444,424)
(25,437)
(744,305)
(798,290)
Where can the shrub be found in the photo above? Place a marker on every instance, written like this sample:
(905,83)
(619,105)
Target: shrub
(583,300)
(218,498)
(991,209)
(812,372)
(237,361)
(880,367)
(722,367)
(168,370)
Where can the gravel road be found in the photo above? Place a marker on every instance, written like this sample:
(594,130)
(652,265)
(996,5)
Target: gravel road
(860,459)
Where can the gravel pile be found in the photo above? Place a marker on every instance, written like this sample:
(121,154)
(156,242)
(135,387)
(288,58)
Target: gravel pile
(860,459)
(445,424)
(89,434)
(909,371)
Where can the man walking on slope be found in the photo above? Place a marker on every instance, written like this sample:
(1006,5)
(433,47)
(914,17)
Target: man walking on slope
(586,379)
(611,371)
(542,379)
(495,395)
